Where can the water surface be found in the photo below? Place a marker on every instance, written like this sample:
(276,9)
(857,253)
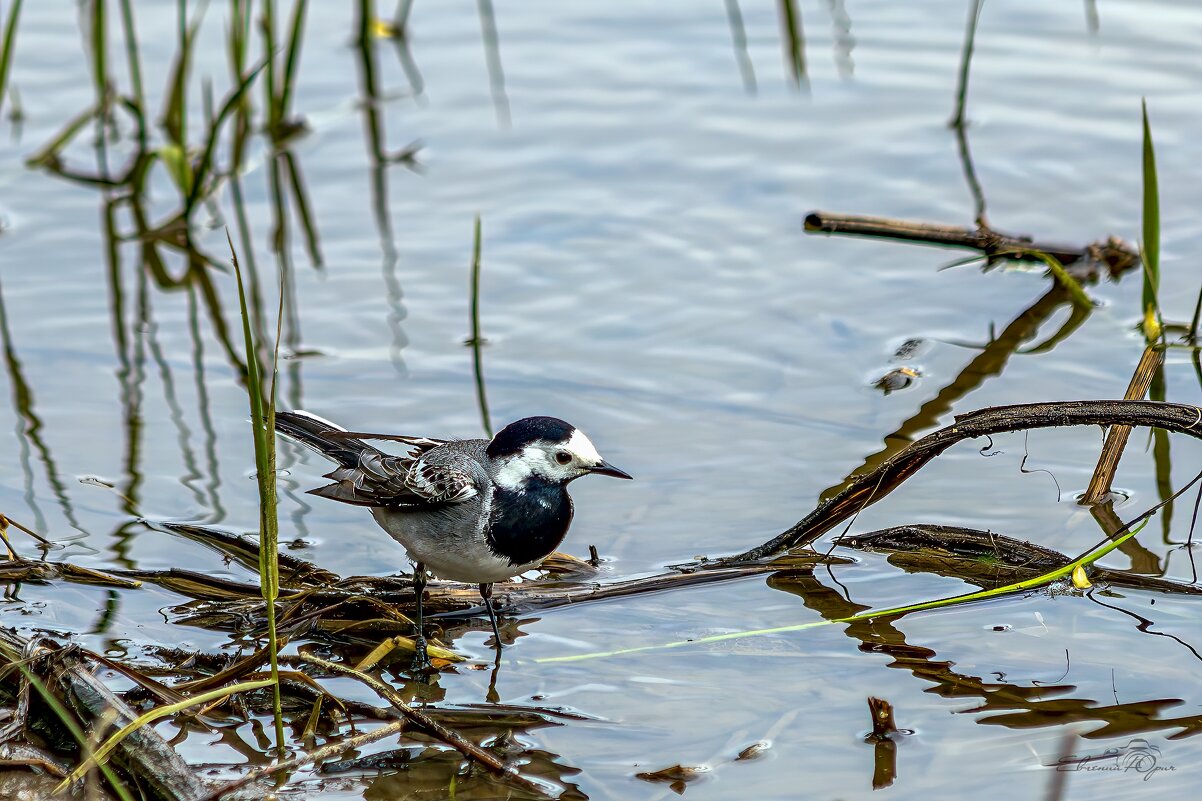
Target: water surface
(641,182)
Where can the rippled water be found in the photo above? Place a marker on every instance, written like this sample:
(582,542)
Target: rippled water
(641,182)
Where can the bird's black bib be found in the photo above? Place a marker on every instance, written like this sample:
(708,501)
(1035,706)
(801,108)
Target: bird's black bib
(526,526)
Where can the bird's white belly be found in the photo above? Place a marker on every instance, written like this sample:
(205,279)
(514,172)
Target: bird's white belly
(466,557)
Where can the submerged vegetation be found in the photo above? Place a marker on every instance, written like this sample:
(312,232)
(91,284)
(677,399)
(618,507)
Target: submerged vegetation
(307,642)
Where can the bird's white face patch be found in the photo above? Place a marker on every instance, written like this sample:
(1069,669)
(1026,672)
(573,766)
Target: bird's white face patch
(543,459)
(582,449)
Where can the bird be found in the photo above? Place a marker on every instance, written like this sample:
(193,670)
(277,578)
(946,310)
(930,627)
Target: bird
(470,510)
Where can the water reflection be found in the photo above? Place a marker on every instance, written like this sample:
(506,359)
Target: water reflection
(1002,703)
(959,123)
(29,433)
(990,362)
(844,42)
(793,41)
(381,160)
(492,55)
(738,36)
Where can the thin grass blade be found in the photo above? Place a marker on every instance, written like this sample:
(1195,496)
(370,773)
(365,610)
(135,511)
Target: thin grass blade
(6,49)
(102,753)
(1150,311)
(263,423)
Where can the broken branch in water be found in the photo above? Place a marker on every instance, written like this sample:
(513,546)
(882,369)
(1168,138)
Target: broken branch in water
(860,491)
(346,599)
(1113,253)
(868,488)
(1116,437)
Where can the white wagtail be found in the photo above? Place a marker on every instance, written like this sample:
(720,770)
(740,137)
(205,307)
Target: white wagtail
(470,510)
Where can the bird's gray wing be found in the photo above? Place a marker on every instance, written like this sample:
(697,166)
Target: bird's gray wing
(427,476)
(438,483)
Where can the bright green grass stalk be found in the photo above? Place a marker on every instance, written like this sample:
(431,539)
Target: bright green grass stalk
(872,614)
(1090,556)
(1152,322)
(1150,312)
(262,415)
(68,720)
(100,756)
(6,48)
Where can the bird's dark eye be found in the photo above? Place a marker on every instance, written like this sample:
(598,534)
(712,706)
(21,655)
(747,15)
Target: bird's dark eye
(563,457)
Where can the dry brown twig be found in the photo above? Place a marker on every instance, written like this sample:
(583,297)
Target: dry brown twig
(866,489)
(1116,437)
(1112,253)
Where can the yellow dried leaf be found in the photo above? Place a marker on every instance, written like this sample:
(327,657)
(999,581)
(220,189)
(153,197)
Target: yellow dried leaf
(1080,580)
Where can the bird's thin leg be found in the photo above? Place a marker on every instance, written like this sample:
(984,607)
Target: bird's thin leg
(486,594)
(421,661)
(492,696)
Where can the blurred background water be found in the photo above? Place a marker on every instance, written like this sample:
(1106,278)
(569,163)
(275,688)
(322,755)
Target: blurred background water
(641,172)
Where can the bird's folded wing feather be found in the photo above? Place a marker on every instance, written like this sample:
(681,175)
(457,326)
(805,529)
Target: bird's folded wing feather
(439,483)
(413,481)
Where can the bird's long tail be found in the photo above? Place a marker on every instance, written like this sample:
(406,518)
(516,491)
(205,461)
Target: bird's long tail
(314,432)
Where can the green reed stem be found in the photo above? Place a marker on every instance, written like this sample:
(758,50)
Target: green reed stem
(262,413)
(131,53)
(1150,311)
(6,49)
(100,42)
(871,614)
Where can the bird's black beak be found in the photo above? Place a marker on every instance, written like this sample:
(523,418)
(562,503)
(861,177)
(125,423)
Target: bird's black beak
(607,469)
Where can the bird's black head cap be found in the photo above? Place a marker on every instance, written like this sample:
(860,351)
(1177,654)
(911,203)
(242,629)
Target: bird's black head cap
(511,439)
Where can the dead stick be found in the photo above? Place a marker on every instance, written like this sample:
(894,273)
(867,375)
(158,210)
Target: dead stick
(991,243)
(1116,437)
(144,753)
(473,752)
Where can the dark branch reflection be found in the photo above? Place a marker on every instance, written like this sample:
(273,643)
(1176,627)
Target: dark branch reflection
(1002,703)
